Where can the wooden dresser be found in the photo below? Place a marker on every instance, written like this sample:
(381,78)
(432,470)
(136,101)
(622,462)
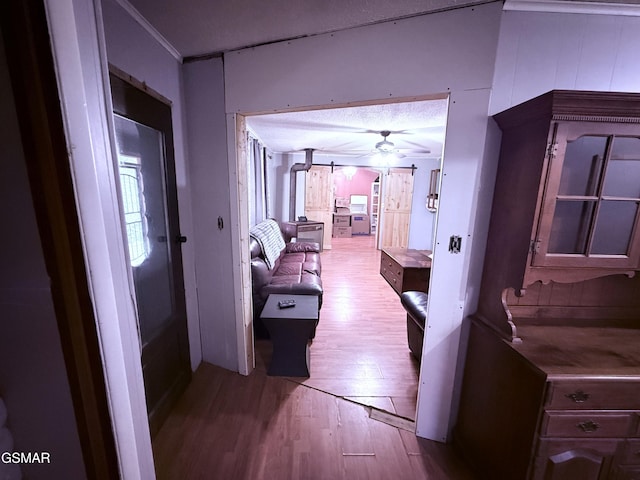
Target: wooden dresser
(563,404)
(551,386)
(406,269)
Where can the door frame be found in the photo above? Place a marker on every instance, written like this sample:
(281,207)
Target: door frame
(237,148)
(140,104)
(79,51)
(31,67)
(237,145)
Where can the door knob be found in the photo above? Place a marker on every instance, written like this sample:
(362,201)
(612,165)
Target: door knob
(181,239)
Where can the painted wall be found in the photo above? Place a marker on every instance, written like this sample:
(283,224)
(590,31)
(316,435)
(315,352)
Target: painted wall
(206,137)
(434,59)
(538,52)
(358,184)
(133,50)
(33,377)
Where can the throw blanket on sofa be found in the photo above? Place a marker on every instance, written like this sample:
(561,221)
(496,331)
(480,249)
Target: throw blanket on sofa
(268,235)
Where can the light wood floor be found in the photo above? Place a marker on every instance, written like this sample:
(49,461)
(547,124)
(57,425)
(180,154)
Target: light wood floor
(360,351)
(229,426)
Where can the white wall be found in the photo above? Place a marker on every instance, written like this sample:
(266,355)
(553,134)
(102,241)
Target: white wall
(423,56)
(133,50)
(538,52)
(207,140)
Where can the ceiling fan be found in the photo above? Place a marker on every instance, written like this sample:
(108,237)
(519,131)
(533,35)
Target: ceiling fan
(388,148)
(385,145)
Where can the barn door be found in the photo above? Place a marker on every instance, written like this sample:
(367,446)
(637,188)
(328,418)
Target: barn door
(396,208)
(318,199)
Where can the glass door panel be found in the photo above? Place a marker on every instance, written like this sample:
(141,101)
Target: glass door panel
(590,212)
(614,228)
(582,166)
(141,158)
(570,228)
(623,171)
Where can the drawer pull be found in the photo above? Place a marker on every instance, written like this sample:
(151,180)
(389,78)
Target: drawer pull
(588,426)
(578,396)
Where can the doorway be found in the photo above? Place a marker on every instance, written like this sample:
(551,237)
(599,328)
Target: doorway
(352,145)
(149,206)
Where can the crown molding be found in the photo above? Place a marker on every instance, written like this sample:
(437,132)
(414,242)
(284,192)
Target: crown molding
(567,6)
(144,23)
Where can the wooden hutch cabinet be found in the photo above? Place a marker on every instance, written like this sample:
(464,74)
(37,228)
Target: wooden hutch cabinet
(551,387)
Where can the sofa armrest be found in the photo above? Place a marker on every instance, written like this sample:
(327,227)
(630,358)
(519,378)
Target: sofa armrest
(296,247)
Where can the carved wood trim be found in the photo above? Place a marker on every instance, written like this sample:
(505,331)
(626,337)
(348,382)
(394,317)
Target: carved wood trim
(591,118)
(569,275)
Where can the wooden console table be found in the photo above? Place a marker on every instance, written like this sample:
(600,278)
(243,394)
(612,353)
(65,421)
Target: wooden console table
(406,269)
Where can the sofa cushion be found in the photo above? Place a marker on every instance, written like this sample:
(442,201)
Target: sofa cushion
(302,247)
(304,284)
(293,258)
(288,269)
(312,267)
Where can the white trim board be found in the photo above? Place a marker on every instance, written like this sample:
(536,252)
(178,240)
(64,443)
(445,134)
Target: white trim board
(564,6)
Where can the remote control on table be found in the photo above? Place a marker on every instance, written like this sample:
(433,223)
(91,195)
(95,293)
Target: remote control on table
(287,303)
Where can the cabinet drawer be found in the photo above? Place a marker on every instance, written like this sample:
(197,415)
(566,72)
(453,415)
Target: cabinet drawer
(392,278)
(594,395)
(392,272)
(390,265)
(587,424)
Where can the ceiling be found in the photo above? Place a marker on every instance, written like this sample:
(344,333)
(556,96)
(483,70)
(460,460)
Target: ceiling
(416,129)
(204,27)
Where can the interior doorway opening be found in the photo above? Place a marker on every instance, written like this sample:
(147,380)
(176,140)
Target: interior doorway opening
(359,153)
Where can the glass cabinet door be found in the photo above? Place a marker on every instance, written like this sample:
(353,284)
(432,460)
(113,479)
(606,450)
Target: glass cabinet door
(590,211)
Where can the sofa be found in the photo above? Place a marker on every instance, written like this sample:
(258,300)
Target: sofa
(279,267)
(415,303)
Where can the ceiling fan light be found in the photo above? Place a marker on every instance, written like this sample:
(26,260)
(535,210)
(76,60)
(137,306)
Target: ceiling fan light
(384,146)
(384,158)
(349,172)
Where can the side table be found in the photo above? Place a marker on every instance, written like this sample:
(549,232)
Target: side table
(290,330)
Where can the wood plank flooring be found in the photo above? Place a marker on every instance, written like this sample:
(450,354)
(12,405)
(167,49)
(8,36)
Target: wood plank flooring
(360,351)
(229,426)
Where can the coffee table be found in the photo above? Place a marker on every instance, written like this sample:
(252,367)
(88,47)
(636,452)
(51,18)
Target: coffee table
(290,330)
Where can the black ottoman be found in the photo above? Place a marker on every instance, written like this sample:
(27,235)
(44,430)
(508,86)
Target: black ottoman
(415,303)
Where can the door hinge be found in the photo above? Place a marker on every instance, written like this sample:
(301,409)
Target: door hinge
(552,149)
(534,246)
